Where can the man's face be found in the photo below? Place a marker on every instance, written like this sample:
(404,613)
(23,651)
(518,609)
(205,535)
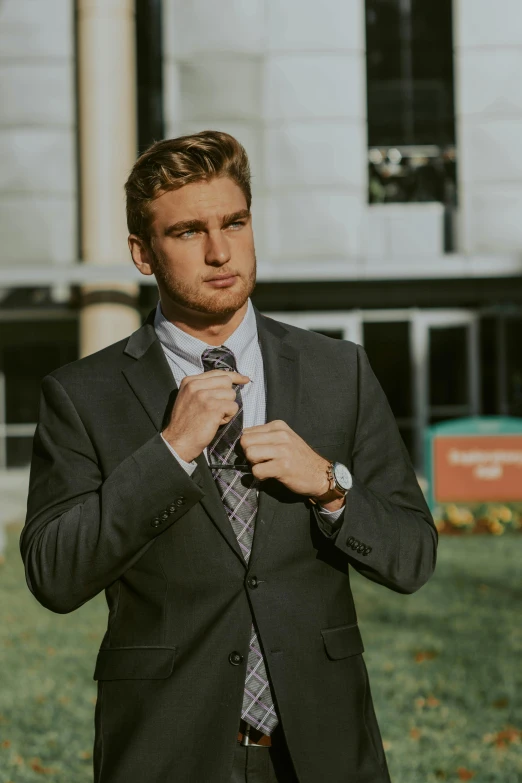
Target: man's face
(201,232)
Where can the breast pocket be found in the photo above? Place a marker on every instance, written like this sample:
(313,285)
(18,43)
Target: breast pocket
(135,663)
(342,641)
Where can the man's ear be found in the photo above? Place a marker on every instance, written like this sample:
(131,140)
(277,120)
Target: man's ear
(141,254)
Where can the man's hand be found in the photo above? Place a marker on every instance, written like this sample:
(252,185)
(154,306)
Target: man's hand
(275,451)
(203,404)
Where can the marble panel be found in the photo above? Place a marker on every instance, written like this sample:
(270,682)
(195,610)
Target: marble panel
(38,230)
(404,231)
(37,160)
(36,95)
(37,28)
(490,150)
(221,88)
(171,97)
(315,86)
(204,26)
(488,23)
(328,25)
(417,230)
(317,153)
(489,82)
(313,223)
(495,218)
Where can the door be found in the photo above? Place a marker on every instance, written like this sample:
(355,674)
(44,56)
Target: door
(445,353)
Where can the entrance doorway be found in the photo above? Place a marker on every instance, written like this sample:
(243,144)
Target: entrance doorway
(29,350)
(427,362)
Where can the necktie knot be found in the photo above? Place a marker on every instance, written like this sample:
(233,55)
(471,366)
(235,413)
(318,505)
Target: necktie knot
(218,358)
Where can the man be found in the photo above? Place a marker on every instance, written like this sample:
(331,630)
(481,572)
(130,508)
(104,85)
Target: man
(216,474)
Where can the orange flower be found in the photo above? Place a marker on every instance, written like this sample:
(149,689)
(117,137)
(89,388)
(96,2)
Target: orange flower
(495,527)
(465,774)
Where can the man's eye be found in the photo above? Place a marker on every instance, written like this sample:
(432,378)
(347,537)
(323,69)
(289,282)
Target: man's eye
(187,234)
(237,224)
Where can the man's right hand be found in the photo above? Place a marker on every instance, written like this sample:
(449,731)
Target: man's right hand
(203,404)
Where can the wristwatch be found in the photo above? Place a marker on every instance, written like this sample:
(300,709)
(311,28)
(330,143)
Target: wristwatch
(340,480)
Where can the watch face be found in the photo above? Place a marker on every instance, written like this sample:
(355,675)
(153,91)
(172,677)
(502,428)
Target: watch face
(342,476)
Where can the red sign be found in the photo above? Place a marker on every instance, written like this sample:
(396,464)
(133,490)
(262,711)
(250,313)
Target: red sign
(477,468)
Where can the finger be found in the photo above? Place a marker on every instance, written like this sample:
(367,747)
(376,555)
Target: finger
(262,453)
(216,378)
(271,426)
(218,394)
(263,470)
(229,411)
(253,436)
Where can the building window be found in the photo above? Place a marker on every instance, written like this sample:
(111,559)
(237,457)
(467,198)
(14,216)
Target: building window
(149,55)
(29,350)
(411,123)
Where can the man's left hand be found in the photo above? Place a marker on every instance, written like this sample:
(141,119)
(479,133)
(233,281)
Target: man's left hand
(275,451)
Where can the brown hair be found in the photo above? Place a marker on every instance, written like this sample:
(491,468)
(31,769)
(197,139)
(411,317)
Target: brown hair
(172,163)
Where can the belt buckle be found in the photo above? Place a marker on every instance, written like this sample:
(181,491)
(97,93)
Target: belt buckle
(246,736)
(245,742)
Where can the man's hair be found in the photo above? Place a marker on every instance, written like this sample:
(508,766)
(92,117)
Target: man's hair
(172,163)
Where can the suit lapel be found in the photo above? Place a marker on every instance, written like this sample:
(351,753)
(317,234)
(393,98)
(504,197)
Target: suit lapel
(150,376)
(283,384)
(152,381)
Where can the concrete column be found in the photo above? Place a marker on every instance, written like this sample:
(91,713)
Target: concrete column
(488,62)
(107,96)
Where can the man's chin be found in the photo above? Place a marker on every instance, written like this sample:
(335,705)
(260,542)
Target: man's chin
(221,302)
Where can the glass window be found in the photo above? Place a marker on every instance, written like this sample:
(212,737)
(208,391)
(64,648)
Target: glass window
(388,348)
(411,123)
(410,72)
(150,69)
(28,352)
(513,337)
(448,368)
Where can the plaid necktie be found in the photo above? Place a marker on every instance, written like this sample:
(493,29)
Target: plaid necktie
(237,489)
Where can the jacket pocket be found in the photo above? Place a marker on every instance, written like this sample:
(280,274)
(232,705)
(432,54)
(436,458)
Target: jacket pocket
(342,641)
(135,663)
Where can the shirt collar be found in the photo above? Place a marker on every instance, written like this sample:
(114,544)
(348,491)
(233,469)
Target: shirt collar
(188,347)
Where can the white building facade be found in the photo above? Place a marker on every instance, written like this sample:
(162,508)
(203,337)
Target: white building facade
(351,241)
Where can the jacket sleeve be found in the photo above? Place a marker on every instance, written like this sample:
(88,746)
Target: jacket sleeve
(82,531)
(387,530)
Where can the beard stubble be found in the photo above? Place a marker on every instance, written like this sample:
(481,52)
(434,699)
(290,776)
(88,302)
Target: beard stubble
(214,301)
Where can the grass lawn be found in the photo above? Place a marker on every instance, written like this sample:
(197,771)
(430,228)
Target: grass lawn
(445,667)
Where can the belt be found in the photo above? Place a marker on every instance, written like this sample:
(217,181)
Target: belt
(247,735)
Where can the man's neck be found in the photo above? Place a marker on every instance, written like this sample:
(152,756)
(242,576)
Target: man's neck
(211,328)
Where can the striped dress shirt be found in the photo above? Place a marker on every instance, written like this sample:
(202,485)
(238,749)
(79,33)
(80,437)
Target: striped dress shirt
(183,352)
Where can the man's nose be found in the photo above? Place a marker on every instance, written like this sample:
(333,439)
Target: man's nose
(218,250)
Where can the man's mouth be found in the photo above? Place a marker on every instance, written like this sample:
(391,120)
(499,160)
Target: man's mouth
(222,281)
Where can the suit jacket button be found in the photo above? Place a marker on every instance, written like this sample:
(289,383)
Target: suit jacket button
(180,501)
(156,522)
(164,516)
(350,541)
(172,508)
(361,548)
(235,658)
(252,582)
(367,550)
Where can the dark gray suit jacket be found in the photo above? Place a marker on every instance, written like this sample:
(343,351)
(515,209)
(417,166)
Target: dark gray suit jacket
(111,509)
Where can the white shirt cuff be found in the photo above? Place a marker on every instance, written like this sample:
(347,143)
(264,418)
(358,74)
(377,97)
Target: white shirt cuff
(331,516)
(188,467)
